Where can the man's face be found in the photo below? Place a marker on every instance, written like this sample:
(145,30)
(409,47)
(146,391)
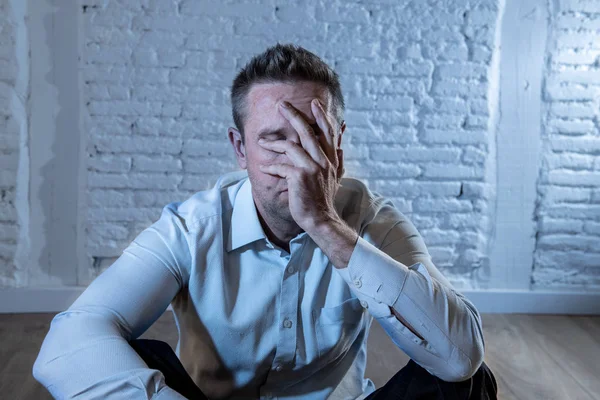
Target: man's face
(265,120)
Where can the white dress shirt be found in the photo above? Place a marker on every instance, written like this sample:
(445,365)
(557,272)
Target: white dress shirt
(255,321)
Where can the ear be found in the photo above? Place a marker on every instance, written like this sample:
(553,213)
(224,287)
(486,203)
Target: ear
(235,138)
(342,130)
(340,153)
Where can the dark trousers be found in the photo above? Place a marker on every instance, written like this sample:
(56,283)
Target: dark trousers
(412,382)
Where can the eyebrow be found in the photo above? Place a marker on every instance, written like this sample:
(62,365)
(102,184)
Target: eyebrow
(269,132)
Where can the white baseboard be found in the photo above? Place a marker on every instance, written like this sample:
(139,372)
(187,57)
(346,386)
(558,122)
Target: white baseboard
(54,300)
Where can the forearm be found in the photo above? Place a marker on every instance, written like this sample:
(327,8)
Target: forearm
(447,337)
(428,320)
(84,355)
(336,239)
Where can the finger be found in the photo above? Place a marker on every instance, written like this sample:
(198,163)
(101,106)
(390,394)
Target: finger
(305,132)
(294,151)
(282,170)
(327,138)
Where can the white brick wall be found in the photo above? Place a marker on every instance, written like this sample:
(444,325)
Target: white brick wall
(157,76)
(12,121)
(568,251)
(155,97)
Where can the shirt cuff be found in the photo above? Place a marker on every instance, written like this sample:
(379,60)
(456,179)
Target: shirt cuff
(373,273)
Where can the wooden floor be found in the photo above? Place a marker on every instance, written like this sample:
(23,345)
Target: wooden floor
(531,356)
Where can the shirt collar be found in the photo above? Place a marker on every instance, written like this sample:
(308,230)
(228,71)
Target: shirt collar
(245,226)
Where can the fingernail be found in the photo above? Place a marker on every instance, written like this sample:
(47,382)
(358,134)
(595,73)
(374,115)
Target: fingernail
(285,104)
(317,102)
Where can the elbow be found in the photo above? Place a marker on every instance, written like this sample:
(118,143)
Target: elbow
(40,372)
(465,365)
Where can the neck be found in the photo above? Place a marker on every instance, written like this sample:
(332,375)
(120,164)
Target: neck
(279,232)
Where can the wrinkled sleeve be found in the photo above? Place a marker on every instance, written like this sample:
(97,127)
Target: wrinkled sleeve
(391,267)
(86,353)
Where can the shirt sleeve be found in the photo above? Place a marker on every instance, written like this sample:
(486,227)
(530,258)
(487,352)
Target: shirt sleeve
(86,353)
(391,267)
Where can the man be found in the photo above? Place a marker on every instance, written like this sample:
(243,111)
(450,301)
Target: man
(274,275)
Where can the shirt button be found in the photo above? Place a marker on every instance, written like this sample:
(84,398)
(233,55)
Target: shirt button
(278,368)
(287,323)
(357,283)
(291,270)
(364,304)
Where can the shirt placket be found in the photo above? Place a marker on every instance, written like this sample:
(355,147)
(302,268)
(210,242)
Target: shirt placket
(288,319)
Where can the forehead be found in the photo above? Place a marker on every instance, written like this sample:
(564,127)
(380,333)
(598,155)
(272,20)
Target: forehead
(263,99)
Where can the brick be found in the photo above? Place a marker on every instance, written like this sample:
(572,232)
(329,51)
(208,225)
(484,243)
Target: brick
(586,110)
(574,178)
(203,148)
(453,171)
(433,136)
(110,198)
(365,66)
(448,105)
(9,142)
(479,107)
(108,231)
(588,145)
(124,108)
(209,166)
(133,180)
(353,13)
(473,155)
(249,10)
(137,144)
(113,214)
(462,70)
(561,259)
(466,221)
(552,225)
(578,39)
(443,121)
(555,194)
(156,163)
(154,198)
(413,68)
(9,162)
(413,154)
(578,75)
(568,242)
(413,189)
(474,190)
(292,13)
(7,250)
(8,213)
(576,58)
(8,232)
(557,92)
(8,179)
(442,205)
(436,237)
(466,88)
(441,255)
(110,163)
(575,21)
(375,169)
(187,23)
(592,228)
(570,161)
(393,102)
(575,211)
